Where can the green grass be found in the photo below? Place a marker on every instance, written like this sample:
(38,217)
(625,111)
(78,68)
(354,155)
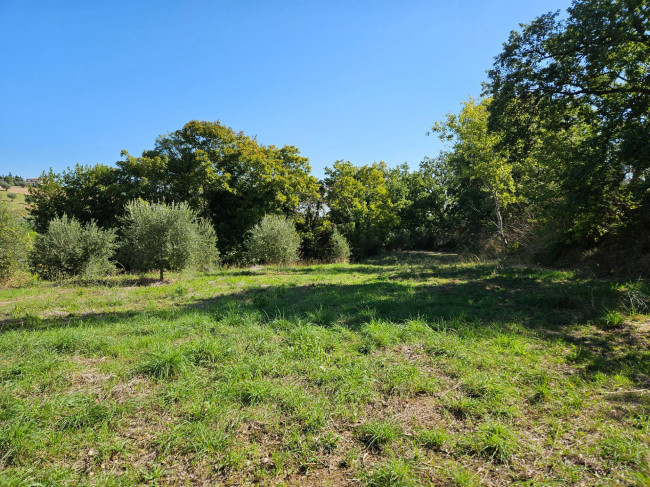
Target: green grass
(16,204)
(411,369)
(376,435)
(432,439)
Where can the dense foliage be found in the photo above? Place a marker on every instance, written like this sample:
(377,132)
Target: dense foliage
(274,240)
(571,99)
(10,180)
(166,237)
(553,160)
(69,248)
(226,176)
(14,243)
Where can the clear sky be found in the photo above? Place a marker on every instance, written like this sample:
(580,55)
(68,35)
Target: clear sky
(355,80)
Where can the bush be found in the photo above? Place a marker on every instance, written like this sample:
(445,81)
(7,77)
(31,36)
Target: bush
(206,255)
(339,248)
(14,243)
(166,237)
(325,244)
(69,249)
(274,241)
(12,196)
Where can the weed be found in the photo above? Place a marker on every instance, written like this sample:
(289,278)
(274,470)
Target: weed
(328,442)
(611,319)
(621,448)
(85,412)
(393,473)
(497,442)
(635,298)
(458,476)
(433,439)
(376,435)
(462,407)
(163,363)
(351,458)
(253,391)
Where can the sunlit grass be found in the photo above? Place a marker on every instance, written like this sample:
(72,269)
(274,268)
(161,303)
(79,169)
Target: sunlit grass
(411,369)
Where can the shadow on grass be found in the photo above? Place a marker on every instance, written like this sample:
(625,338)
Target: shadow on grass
(119,281)
(514,301)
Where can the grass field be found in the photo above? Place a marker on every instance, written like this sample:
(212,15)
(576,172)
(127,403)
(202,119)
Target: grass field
(17,204)
(411,369)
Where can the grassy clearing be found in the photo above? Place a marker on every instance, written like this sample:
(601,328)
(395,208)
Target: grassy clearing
(413,369)
(17,204)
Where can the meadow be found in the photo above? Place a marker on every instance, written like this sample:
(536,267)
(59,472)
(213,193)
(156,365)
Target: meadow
(17,203)
(408,369)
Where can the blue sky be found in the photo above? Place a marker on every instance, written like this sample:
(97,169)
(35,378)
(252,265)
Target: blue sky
(355,80)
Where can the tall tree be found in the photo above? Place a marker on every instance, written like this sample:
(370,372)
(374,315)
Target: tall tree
(588,70)
(471,140)
(231,178)
(86,193)
(359,202)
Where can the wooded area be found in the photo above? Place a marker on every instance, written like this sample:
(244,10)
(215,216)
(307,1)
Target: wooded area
(553,159)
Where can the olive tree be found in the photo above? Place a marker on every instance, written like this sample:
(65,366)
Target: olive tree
(274,240)
(166,237)
(69,249)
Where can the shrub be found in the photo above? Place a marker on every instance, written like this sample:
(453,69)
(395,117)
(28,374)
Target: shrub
(274,241)
(339,247)
(205,256)
(12,196)
(325,244)
(14,243)
(166,237)
(69,249)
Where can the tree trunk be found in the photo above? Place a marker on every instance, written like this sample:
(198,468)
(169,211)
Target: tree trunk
(161,273)
(497,210)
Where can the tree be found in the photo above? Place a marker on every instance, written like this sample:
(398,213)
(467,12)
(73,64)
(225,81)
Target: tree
(230,178)
(69,249)
(359,203)
(85,193)
(584,73)
(274,240)
(165,237)
(472,141)
(12,196)
(419,203)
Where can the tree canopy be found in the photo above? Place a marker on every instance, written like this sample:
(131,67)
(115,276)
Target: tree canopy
(554,155)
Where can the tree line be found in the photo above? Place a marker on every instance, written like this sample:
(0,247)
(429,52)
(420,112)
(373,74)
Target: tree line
(552,161)
(9,180)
